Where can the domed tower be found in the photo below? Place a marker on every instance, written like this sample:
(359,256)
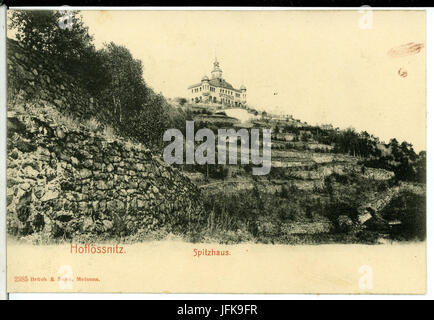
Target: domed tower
(216,72)
(205,79)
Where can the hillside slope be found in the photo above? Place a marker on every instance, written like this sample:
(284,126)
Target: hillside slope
(69,182)
(70,178)
(312,194)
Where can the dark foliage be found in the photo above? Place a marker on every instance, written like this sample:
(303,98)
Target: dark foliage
(410,210)
(111,75)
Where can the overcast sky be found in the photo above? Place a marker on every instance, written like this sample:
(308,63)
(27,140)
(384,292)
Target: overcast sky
(319,66)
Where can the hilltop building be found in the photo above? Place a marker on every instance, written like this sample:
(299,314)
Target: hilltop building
(217,90)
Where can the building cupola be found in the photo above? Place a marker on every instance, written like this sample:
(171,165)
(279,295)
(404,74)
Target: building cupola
(216,72)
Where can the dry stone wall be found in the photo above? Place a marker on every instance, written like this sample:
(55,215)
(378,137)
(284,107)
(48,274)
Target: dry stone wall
(33,77)
(75,183)
(67,181)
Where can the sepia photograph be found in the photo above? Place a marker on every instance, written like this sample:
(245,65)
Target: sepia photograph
(216,151)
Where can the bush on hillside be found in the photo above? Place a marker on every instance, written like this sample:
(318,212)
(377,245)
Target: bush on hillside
(111,75)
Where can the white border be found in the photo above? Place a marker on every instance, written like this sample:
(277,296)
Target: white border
(109,296)
(3,293)
(219,8)
(429,147)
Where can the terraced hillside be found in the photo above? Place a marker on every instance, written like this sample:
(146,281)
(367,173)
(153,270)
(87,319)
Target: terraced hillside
(313,193)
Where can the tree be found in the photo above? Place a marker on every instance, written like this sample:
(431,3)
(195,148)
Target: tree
(111,75)
(72,49)
(40,31)
(304,137)
(125,92)
(132,107)
(421,167)
(181,101)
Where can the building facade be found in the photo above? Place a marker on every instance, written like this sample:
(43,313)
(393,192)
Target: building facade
(217,90)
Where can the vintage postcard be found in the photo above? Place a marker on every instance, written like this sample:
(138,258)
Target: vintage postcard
(216,151)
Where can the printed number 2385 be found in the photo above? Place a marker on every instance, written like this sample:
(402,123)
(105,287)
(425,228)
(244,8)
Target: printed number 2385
(21,279)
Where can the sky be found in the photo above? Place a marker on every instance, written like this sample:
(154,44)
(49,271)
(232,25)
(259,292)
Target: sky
(319,66)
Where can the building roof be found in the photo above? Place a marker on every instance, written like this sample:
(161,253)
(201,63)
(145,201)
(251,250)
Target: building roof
(222,83)
(195,85)
(219,83)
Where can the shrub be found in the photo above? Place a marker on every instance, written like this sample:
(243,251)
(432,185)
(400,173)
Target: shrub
(410,209)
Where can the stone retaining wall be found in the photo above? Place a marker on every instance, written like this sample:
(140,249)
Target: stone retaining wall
(69,183)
